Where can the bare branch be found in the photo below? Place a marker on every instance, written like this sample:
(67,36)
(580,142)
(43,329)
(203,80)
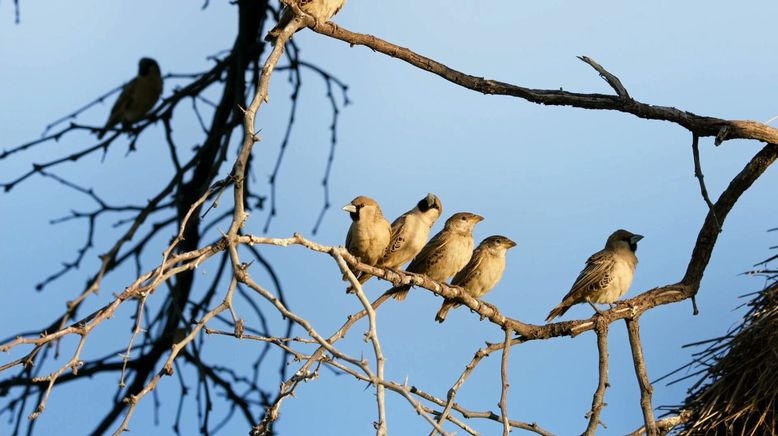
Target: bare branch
(698,174)
(167,368)
(633,330)
(612,80)
(372,335)
(665,424)
(598,399)
(698,124)
(506,348)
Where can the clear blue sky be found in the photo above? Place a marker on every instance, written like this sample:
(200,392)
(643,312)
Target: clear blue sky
(556,180)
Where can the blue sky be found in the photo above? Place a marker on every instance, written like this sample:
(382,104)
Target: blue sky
(556,180)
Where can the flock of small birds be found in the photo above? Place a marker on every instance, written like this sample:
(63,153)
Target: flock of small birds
(371,239)
(450,253)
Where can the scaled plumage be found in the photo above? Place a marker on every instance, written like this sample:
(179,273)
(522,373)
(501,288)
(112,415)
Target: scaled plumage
(607,275)
(409,233)
(137,97)
(482,272)
(445,254)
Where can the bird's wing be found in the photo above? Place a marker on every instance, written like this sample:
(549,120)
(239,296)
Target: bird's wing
(348,240)
(339,8)
(430,254)
(398,237)
(471,271)
(122,103)
(595,275)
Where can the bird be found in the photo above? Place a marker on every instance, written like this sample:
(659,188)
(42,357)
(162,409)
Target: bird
(607,275)
(482,272)
(409,233)
(137,97)
(320,10)
(369,232)
(445,254)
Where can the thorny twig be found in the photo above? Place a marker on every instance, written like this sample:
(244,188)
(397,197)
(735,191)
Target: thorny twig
(633,330)
(598,399)
(176,263)
(506,427)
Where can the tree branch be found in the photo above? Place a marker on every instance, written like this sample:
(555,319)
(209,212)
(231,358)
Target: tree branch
(698,124)
(506,348)
(698,174)
(599,394)
(633,331)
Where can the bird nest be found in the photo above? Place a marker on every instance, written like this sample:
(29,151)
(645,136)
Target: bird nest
(737,392)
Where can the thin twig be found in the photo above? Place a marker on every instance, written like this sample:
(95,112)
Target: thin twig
(372,335)
(598,399)
(665,424)
(612,80)
(633,330)
(700,177)
(506,426)
(167,368)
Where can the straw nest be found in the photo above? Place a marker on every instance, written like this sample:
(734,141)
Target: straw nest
(737,392)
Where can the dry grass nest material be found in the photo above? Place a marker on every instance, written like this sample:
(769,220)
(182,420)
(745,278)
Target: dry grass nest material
(737,393)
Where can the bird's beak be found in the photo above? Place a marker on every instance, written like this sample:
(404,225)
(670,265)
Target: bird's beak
(510,244)
(430,199)
(635,238)
(477,218)
(350,208)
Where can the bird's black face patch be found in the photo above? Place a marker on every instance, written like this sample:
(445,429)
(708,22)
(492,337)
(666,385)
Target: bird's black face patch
(633,245)
(355,215)
(424,204)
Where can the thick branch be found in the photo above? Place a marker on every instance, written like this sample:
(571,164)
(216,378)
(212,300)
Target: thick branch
(698,124)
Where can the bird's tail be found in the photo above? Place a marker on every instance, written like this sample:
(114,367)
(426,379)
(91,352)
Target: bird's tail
(441,315)
(286,17)
(399,292)
(557,311)
(362,278)
(113,120)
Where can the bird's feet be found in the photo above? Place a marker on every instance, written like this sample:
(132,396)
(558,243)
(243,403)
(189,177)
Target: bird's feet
(596,309)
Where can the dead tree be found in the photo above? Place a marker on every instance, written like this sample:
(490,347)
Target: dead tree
(169,328)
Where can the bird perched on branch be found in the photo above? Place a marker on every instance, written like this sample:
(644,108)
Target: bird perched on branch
(607,275)
(320,10)
(445,254)
(409,233)
(481,273)
(137,97)
(369,233)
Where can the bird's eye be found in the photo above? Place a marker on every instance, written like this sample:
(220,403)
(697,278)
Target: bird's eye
(464,218)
